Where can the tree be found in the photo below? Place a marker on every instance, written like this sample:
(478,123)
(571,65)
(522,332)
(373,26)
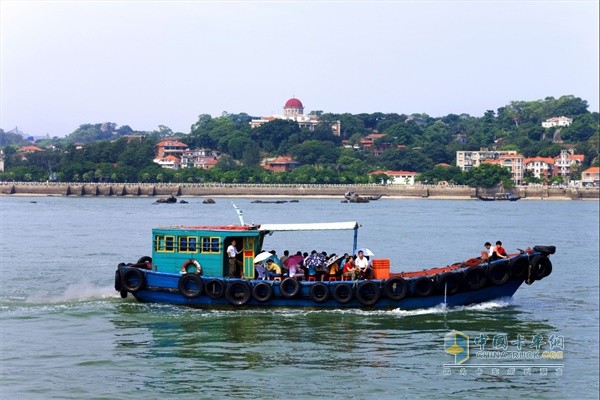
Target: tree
(489,175)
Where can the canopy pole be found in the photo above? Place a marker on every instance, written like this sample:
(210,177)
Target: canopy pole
(355,244)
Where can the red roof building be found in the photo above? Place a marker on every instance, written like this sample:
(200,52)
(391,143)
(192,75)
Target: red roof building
(281,164)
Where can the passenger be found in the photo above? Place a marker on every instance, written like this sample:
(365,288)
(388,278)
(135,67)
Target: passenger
(314,262)
(350,271)
(296,271)
(273,270)
(487,253)
(499,251)
(232,253)
(284,268)
(363,265)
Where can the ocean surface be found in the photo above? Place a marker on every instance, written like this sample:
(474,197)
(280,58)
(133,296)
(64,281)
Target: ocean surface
(66,334)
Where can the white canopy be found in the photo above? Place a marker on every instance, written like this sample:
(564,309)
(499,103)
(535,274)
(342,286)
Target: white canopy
(319,226)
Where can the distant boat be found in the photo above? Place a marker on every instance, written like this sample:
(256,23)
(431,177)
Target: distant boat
(353,197)
(502,196)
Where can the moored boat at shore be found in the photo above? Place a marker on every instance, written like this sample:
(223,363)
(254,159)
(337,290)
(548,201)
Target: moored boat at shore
(189,266)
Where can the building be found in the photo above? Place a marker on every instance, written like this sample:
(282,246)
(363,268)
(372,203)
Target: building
(557,121)
(541,167)
(565,161)
(294,110)
(170,148)
(591,177)
(199,158)
(466,160)
(280,164)
(168,162)
(398,177)
(1,161)
(512,162)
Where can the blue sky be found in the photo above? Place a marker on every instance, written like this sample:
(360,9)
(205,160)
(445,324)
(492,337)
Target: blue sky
(149,63)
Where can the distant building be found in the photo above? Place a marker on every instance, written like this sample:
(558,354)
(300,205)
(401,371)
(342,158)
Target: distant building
(1,160)
(170,148)
(199,158)
(540,167)
(557,121)
(591,177)
(512,162)
(467,160)
(565,161)
(294,110)
(398,177)
(280,164)
(168,162)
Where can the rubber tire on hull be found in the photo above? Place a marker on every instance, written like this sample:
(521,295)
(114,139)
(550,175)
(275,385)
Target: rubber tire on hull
(238,293)
(449,282)
(133,279)
(190,286)
(368,293)
(541,267)
(475,278)
(214,288)
(262,292)
(518,267)
(343,293)
(289,283)
(145,259)
(499,273)
(395,288)
(423,286)
(118,285)
(319,292)
(545,249)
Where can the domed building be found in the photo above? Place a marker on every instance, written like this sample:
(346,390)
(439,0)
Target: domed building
(293,109)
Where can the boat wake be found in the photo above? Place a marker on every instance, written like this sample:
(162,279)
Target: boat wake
(76,292)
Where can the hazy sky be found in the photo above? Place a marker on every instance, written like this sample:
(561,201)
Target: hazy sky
(150,63)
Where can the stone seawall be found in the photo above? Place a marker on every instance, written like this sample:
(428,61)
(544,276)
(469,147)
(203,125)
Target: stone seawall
(205,190)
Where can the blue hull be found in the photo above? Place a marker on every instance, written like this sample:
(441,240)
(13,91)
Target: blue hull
(163,288)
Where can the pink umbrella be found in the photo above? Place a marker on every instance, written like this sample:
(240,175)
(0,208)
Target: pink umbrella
(293,260)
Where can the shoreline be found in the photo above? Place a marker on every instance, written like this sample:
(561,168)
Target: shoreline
(296,191)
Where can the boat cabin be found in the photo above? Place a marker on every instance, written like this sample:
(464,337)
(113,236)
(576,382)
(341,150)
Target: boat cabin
(177,246)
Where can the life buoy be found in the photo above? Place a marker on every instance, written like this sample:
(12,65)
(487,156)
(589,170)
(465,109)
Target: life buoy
(214,288)
(475,278)
(395,288)
(541,267)
(449,282)
(423,286)
(132,279)
(518,267)
(498,272)
(319,292)
(343,293)
(190,286)
(262,291)
(191,263)
(290,287)
(368,293)
(238,293)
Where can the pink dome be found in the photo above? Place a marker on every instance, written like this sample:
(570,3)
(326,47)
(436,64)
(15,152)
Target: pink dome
(293,103)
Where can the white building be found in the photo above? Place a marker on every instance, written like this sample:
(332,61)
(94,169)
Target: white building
(557,121)
(467,160)
(398,177)
(294,110)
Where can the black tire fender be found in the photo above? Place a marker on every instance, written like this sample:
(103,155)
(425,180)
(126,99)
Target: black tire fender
(145,259)
(395,288)
(133,279)
(214,288)
(423,286)
(518,267)
(319,292)
(475,278)
(449,282)
(262,292)
(541,267)
(190,286)
(368,293)
(238,293)
(343,293)
(498,273)
(290,288)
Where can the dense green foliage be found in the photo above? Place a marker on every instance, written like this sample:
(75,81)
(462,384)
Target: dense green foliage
(415,142)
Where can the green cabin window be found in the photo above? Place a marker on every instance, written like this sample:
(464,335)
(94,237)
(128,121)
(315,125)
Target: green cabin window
(164,243)
(188,244)
(211,244)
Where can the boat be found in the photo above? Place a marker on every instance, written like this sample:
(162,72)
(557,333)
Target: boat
(189,266)
(353,197)
(501,196)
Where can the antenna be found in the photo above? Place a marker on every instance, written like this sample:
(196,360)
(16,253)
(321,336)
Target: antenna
(239,213)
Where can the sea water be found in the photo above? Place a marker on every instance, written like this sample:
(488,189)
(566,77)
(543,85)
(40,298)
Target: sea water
(66,334)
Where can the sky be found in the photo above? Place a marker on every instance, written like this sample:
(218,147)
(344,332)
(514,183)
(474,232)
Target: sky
(150,63)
